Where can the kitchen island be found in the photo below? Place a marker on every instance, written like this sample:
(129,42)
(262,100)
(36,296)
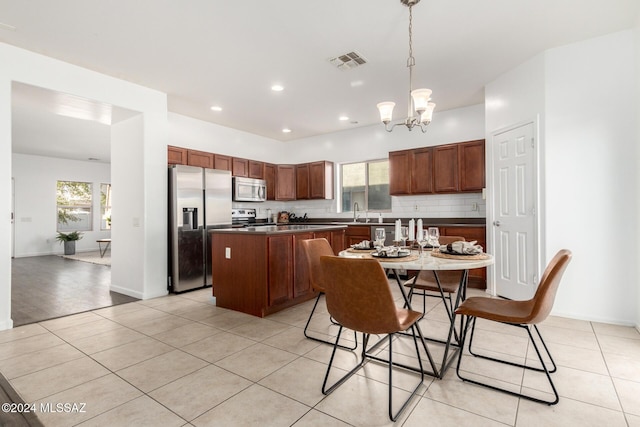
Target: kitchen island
(261,270)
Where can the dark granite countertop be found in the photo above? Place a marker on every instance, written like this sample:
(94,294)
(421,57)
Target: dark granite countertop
(427,222)
(281,228)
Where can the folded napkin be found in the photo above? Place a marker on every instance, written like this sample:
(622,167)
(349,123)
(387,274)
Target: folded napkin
(391,251)
(462,248)
(365,244)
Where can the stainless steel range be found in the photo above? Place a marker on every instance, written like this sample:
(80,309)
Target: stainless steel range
(245,217)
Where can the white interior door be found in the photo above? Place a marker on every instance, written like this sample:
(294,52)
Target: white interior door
(515,224)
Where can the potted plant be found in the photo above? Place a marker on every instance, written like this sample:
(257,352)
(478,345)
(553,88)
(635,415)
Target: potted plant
(69,240)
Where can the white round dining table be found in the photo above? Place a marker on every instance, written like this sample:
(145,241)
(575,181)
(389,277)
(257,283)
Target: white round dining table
(426,261)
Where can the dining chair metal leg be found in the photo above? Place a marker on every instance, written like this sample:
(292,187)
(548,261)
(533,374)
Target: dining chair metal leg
(472,320)
(348,375)
(395,416)
(363,359)
(306,327)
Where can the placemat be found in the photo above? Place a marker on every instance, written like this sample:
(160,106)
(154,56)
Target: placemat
(438,254)
(361,251)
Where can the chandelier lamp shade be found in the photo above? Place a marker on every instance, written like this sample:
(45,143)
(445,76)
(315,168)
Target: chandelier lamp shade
(420,110)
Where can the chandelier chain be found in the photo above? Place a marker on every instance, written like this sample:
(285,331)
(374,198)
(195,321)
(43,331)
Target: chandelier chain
(411,61)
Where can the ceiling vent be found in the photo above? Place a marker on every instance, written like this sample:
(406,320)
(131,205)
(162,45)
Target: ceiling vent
(348,61)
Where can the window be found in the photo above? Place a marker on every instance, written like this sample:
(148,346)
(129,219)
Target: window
(366,183)
(74,206)
(105,206)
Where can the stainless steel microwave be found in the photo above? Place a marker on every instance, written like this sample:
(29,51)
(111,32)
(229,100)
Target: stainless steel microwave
(249,189)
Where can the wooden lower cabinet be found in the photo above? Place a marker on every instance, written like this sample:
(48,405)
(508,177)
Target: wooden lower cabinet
(264,273)
(356,234)
(477,276)
(280,256)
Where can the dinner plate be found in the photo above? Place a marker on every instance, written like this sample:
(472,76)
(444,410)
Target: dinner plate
(399,254)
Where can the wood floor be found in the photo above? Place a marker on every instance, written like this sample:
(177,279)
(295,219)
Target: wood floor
(46,287)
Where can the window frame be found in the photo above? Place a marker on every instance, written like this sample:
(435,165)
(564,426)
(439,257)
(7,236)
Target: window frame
(84,206)
(106,208)
(366,187)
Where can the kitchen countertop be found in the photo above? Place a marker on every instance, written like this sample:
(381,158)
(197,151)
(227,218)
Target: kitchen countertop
(428,222)
(282,228)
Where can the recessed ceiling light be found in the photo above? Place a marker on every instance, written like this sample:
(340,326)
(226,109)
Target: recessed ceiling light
(277,88)
(286,130)
(343,118)
(216,108)
(356,83)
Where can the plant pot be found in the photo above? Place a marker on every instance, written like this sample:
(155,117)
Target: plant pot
(70,247)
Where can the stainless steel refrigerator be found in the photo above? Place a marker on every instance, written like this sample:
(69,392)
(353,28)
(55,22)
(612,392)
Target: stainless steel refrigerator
(199,200)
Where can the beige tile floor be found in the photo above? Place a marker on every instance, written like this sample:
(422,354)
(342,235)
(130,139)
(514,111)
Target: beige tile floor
(181,361)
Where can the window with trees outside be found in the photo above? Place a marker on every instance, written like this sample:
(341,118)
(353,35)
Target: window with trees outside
(74,206)
(105,206)
(366,183)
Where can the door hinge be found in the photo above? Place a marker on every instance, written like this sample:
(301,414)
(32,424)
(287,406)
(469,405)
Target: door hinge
(532,143)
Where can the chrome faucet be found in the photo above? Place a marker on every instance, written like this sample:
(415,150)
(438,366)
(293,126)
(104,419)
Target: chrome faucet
(356,207)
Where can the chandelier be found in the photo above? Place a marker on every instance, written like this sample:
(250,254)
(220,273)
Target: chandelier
(418,98)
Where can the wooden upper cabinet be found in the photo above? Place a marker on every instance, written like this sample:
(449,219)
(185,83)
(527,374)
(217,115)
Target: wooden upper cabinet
(240,167)
(421,170)
(321,180)
(399,172)
(285,182)
(256,169)
(445,168)
(222,162)
(302,181)
(471,163)
(200,158)
(176,155)
(270,177)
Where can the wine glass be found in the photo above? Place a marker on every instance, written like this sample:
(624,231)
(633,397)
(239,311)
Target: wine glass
(434,236)
(423,241)
(404,235)
(380,237)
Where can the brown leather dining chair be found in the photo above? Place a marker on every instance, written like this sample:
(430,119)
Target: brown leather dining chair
(313,249)
(359,298)
(523,314)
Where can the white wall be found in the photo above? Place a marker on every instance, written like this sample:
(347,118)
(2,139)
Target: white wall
(583,94)
(38,70)
(35,202)
(591,171)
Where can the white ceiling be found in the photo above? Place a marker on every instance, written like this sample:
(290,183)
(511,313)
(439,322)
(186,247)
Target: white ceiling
(229,53)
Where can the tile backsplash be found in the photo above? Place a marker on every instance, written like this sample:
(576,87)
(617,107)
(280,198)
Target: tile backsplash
(469,205)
